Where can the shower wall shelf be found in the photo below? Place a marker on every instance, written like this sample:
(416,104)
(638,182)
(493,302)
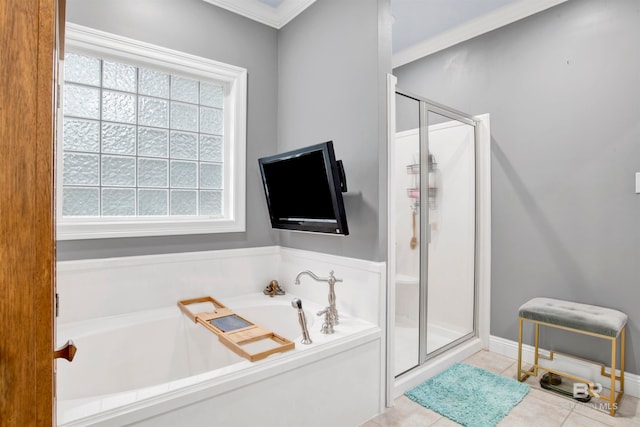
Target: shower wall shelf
(414,192)
(413,169)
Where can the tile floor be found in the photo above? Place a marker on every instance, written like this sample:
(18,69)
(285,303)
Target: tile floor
(539,408)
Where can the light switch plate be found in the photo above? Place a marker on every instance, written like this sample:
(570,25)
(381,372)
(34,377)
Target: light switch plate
(637,182)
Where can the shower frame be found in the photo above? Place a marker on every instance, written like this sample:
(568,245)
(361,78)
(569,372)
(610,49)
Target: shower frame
(425,107)
(431,363)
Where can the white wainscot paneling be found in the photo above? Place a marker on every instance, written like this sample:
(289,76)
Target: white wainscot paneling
(360,294)
(106,287)
(112,286)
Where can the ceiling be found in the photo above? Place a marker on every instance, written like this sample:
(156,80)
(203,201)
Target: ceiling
(419,20)
(275,13)
(423,27)
(420,27)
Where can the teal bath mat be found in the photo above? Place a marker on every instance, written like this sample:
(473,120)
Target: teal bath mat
(469,396)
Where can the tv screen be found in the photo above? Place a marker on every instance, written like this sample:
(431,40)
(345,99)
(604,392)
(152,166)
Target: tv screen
(304,190)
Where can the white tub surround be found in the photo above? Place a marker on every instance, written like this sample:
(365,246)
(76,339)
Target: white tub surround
(140,361)
(111,286)
(361,292)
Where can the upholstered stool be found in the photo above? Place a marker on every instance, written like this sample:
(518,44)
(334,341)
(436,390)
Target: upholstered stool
(582,318)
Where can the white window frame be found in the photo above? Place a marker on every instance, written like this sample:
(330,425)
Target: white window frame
(109,46)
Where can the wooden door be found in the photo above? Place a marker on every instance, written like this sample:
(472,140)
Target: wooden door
(27,246)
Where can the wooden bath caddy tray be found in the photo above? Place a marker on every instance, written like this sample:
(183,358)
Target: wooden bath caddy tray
(242,336)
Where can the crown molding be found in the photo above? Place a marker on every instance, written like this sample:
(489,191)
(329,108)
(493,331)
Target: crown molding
(483,24)
(276,17)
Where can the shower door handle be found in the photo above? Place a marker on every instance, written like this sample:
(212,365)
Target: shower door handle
(67,351)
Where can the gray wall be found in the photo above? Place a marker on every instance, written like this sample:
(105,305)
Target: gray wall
(333,59)
(322,77)
(199,28)
(563,91)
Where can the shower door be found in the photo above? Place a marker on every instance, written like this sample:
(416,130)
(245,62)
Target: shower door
(435,164)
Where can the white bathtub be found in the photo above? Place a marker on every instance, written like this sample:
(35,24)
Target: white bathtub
(159,368)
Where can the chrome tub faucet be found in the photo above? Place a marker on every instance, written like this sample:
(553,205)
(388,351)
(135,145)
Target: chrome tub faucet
(331,317)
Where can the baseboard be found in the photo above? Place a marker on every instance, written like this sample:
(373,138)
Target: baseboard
(561,362)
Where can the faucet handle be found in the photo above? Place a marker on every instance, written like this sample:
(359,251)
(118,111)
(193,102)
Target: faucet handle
(327,328)
(332,278)
(329,320)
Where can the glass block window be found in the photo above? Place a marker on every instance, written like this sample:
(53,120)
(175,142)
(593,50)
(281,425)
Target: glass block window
(139,142)
(150,141)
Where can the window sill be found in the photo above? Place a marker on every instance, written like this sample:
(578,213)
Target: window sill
(100,228)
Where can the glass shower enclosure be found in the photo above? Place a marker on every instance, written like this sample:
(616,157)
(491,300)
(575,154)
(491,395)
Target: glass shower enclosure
(435,154)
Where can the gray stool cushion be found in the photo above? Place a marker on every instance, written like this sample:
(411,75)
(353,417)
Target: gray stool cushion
(584,317)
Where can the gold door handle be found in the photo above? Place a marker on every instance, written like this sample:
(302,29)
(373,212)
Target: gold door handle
(65,352)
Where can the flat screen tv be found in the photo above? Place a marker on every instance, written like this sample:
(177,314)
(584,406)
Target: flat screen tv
(304,190)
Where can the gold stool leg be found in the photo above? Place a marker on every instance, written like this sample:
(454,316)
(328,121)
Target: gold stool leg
(622,359)
(612,394)
(519,377)
(535,355)
(620,378)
